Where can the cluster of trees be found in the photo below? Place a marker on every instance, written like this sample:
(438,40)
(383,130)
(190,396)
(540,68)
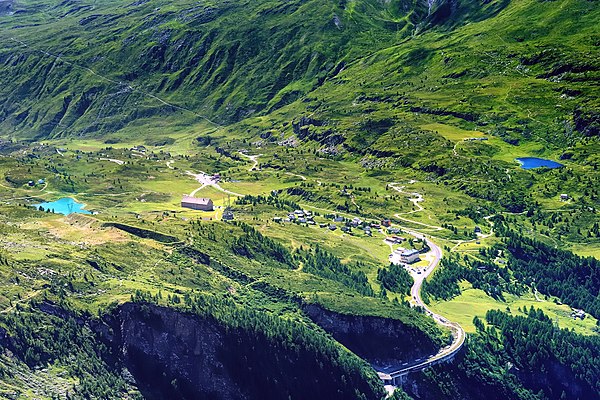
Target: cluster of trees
(444,283)
(454,229)
(476,213)
(595,230)
(534,344)
(395,279)
(487,276)
(318,261)
(321,262)
(493,279)
(518,357)
(553,271)
(489,182)
(574,279)
(252,244)
(39,339)
(271,200)
(224,152)
(574,224)
(308,195)
(310,192)
(366,189)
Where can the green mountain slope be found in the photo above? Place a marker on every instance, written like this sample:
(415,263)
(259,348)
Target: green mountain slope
(522,69)
(407,114)
(85,67)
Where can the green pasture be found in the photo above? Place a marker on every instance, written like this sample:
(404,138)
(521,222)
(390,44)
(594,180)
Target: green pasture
(474,302)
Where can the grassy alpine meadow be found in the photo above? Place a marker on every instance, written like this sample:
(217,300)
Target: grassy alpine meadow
(473,302)
(328,135)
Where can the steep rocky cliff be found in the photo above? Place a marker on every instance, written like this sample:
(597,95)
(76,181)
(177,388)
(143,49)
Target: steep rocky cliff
(381,341)
(171,352)
(178,355)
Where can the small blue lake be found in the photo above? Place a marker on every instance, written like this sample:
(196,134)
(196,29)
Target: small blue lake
(534,162)
(64,206)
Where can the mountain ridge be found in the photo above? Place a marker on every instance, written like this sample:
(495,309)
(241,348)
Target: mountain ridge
(177,52)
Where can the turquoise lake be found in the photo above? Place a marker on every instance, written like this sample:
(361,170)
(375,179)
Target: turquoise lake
(534,162)
(64,206)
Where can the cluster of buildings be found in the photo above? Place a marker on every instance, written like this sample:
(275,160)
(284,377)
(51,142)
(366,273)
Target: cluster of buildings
(395,239)
(346,225)
(139,149)
(473,139)
(349,224)
(299,216)
(205,204)
(400,255)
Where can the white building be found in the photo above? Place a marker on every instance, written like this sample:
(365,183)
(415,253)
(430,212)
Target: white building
(409,256)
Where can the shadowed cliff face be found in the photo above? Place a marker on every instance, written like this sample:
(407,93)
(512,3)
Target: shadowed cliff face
(174,354)
(380,341)
(177,355)
(180,355)
(220,350)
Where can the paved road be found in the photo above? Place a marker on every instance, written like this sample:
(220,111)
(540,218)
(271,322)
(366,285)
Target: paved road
(388,373)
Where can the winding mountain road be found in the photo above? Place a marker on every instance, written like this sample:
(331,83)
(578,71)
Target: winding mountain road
(479,236)
(296,175)
(415,198)
(391,375)
(114,160)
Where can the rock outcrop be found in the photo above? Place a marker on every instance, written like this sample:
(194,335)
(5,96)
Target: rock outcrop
(380,341)
(179,355)
(173,354)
